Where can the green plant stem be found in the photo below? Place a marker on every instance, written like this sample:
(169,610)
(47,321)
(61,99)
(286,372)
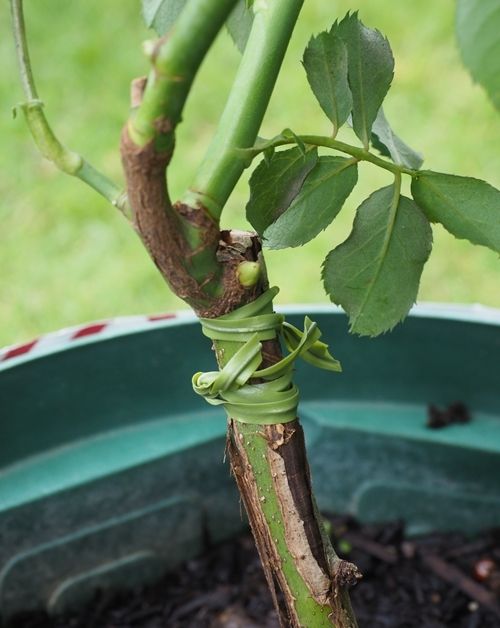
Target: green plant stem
(49,145)
(175,60)
(246,105)
(20,40)
(360,154)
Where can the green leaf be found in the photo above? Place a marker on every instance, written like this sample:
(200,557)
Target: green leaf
(370,71)
(374,274)
(324,192)
(390,145)
(275,183)
(161,14)
(325,62)
(468,208)
(239,24)
(478,28)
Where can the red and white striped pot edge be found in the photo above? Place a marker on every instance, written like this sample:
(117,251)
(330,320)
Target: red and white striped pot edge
(99,330)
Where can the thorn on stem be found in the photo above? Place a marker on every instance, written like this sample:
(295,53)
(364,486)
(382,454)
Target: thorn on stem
(137,88)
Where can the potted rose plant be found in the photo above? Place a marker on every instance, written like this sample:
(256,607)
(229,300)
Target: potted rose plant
(296,191)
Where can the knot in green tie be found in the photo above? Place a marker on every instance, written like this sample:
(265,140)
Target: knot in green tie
(274,400)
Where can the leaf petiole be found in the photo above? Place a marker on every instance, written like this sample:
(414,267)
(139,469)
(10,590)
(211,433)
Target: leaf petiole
(360,154)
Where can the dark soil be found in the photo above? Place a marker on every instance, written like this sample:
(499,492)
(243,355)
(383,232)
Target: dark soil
(428,582)
(456,412)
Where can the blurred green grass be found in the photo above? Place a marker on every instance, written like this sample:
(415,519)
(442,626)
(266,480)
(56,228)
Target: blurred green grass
(66,257)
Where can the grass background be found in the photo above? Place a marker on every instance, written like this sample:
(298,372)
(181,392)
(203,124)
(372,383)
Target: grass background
(66,257)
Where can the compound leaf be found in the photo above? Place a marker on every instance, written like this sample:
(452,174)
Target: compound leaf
(320,199)
(468,208)
(325,62)
(390,145)
(374,275)
(478,27)
(370,71)
(275,183)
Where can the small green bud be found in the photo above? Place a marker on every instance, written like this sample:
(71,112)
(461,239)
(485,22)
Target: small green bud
(248,273)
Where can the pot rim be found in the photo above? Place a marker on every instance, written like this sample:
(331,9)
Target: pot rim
(101,330)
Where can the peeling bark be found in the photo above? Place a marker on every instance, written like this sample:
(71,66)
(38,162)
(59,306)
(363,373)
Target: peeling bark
(291,458)
(302,542)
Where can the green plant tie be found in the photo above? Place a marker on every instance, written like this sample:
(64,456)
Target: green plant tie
(275,400)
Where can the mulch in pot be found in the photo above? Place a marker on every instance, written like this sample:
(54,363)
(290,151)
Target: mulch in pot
(429,582)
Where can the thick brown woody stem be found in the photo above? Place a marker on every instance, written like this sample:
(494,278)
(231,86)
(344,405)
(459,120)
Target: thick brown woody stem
(158,225)
(198,261)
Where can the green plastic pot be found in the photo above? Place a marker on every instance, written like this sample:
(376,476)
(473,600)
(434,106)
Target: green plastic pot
(111,469)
